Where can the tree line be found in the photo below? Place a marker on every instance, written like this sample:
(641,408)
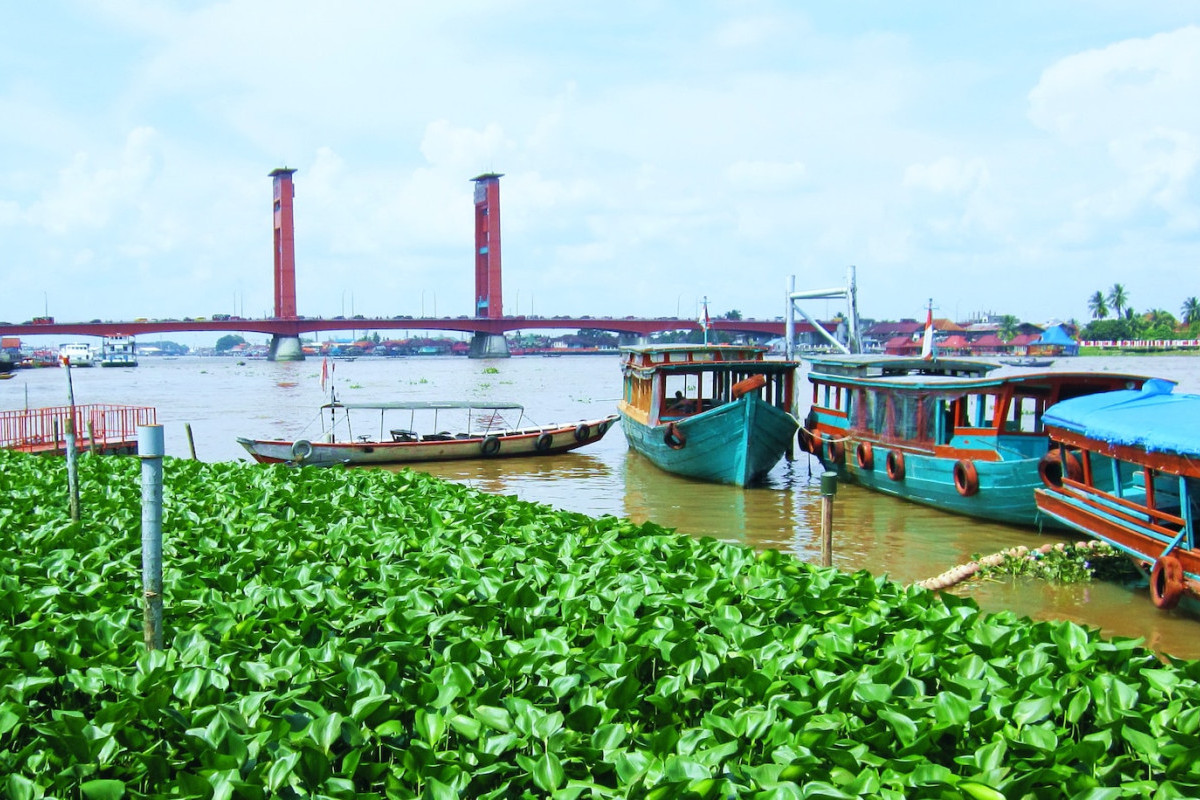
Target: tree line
(1125,323)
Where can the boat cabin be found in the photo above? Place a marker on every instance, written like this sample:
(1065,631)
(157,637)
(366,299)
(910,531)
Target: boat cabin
(670,382)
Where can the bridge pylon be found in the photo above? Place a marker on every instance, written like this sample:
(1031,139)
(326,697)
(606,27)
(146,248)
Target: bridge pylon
(284,347)
(489,298)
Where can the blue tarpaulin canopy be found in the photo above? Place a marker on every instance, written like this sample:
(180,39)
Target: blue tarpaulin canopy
(1154,419)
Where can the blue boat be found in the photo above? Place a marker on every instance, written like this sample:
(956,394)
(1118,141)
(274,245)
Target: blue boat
(718,413)
(943,432)
(1134,481)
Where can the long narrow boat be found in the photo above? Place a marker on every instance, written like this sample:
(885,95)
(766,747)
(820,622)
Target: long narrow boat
(717,413)
(942,432)
(412,432)
(1133,480)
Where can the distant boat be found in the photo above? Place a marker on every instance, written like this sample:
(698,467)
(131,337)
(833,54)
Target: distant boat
(78,354)
(118,351)
(1133,480)
(1027,361)
(942,432)
(718,413)
(474,430)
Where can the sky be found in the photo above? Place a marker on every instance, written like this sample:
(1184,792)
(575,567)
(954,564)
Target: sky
(1007,157)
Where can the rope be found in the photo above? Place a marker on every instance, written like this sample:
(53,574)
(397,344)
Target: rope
(962,572)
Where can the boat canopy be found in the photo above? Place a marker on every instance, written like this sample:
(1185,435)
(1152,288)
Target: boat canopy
(425,405)
(876,366)
(1153,419)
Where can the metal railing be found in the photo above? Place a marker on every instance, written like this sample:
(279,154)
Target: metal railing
(97,426)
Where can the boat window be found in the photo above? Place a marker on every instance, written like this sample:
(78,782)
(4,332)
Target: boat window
(1024,414)
(981,410)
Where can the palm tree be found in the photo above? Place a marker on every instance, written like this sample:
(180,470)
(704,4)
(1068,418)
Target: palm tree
(1009,325)
(1117,298)
(1097,306)
(1190,311)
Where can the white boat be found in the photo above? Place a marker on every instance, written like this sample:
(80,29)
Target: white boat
(118,351)
(78,354)
(411,432)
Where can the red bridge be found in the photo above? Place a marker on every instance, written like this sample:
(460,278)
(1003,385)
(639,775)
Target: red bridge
(488,325)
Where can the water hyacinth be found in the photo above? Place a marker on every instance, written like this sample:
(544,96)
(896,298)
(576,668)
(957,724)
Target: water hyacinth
(340,633)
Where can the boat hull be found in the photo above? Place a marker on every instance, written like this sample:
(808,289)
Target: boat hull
(530,442)
(737,443)
(1005,488)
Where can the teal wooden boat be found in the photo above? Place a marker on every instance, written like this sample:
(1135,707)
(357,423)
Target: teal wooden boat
(718,413)
(943,432)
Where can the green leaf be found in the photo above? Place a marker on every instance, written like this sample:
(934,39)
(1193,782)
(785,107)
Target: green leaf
(494,717)
(548,772)
(103,789)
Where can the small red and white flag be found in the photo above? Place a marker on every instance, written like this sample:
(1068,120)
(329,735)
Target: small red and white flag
(324,372)
(705,322)
(927,342)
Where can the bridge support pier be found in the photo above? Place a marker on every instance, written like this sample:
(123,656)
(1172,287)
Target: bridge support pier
(285,348)
(488,345)
(632,339)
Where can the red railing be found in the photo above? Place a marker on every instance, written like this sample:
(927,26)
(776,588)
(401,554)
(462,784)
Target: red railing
(97,426)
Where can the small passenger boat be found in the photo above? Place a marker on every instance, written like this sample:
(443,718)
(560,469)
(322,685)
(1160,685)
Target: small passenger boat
(371,433)
(719,413)
(942,432)
(1027,361)
(118,351)
(1131,477)
(78,354)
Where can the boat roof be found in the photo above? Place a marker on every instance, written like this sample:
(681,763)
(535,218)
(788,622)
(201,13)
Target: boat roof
(425,405)
(877,366)
(1154,419)
(688,347)
(646,359)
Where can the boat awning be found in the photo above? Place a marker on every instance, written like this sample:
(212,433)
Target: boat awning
(1153,419)
(425,405)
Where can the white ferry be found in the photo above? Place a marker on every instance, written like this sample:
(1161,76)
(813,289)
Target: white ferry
(79,354)
(118,351)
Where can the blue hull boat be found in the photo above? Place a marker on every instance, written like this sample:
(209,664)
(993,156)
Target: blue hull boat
(943,432)
(718,413)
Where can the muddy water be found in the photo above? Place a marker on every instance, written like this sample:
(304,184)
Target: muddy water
(221,399)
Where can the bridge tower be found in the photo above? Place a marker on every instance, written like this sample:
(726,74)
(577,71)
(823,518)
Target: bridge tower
(284,348)
(489,300)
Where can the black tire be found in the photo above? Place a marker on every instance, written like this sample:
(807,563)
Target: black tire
(543,442)
(490,446)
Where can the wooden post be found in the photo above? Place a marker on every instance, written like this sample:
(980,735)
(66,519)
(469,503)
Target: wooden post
(187,426)
(828,490)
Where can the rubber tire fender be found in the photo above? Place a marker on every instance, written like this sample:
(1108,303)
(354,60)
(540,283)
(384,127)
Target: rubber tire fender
(966,477)
(864,456)
(581,432)
(1166,582)
(301,449)
(543,442)
(673,437)
(490,445)
(895,465)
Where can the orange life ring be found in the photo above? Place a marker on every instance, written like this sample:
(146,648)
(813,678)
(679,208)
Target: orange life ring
(1166,582)
(1056,464)
(895,465)
(673,437)
(966,477)
(834,452)
(864,454)
(751,384)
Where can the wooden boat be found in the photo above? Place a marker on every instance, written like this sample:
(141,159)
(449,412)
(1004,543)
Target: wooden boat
(718,413)
(1131,477)
(942,432)
(369,433)
(118,351)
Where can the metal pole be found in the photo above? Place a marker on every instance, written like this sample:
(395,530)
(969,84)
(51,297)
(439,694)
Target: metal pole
(72,466)
(187,426)
(150,451)
(828,490)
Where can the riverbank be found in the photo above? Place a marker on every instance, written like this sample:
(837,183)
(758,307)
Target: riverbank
(337,632)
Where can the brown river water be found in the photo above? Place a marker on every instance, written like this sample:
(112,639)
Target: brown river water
(222,398)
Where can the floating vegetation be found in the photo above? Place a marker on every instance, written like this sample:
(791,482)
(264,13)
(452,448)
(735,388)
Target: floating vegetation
(367,633)
(490,371)
(1061,563)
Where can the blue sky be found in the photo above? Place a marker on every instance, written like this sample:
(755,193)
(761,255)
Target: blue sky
(1009,157)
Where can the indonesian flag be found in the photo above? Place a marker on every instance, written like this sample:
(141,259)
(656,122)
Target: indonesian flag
(927,342)
(704,321)
(324,372)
